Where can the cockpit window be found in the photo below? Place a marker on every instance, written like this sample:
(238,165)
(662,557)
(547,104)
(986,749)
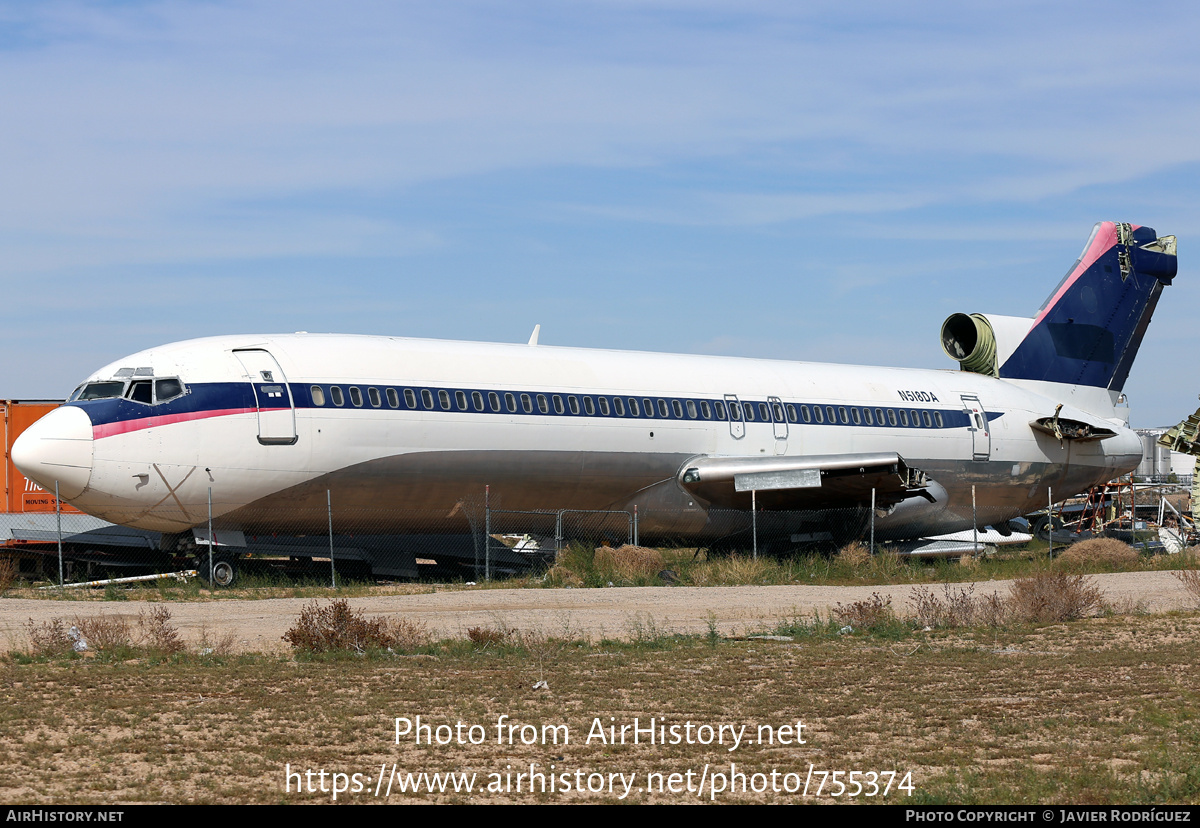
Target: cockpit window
(101,390)
(167,389)
(140,391)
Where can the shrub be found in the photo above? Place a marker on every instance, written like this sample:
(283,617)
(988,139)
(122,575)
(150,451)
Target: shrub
(159,634)
(486,637)
(106,633)
(874,612)
(8,573)
(1190,578)
(1104,551)
(1054,596)
(49,638)
(335,627)
(958,608)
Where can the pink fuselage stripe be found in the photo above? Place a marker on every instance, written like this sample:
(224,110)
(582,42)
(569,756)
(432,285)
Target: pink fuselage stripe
(126,426)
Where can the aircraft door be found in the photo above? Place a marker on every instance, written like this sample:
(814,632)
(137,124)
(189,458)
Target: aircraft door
(276,410)
(977,423)
(737,426)
(779,423)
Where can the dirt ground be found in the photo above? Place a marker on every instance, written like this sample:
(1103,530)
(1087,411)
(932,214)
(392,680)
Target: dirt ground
(258,625)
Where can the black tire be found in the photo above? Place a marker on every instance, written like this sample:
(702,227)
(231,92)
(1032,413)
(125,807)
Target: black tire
(224,570)
(1041,528)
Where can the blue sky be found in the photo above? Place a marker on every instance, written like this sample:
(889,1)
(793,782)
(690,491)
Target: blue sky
(820,181)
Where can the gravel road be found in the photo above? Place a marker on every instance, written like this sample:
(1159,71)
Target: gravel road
(259,625)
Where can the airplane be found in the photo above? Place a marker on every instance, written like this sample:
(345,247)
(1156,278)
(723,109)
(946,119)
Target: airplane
(272,427)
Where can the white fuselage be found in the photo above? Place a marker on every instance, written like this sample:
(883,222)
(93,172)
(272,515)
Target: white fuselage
(274,463)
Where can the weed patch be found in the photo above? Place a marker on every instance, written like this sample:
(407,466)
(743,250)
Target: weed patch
(1054,596)
(335,627)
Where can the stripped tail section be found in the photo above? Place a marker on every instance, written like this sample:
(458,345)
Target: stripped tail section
(1089,330)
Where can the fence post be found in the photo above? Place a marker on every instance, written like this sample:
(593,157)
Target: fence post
(210,540)
(974,524)
(58,520)
(1050,521)
(487,535)
(872,520)
(754,519)
(635,525)
(329,509)
(558,531)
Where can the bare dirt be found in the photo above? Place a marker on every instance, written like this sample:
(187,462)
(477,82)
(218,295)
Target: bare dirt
(622,612)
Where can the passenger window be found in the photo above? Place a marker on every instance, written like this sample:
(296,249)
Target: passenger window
(867,416)
(719,410)
(427,398)
(777,410)
(460,399)
(588,406)
(842,414)
(527,403)
(928,420)
(830,414)
(937,418)
(494,401)
(748,412)
(633,408)
(393,398)
(167,389)
(891,412)
(804,414)
(618,407)
(573,403)
(648,407)
(903,417)
(879,415)
(916,418)
(510,402)
(791,413)
(818,414)
(677,407)
(764,413)
(355,395)
(543,405)
(373,396)
(735,412)
(477,400)
(691,409)
(318,396)
(336,393)
(854,415)
(705,410)
(558,404)
(410,398)
(603,405)
(444,399)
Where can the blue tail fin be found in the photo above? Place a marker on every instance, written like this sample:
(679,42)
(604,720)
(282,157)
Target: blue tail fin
(1089,330)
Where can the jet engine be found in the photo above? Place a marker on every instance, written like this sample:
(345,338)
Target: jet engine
(982,342)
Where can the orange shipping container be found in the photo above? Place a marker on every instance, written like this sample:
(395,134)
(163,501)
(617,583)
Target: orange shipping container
(20,494)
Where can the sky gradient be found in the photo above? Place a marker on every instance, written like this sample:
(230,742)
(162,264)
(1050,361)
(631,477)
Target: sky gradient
(816,181)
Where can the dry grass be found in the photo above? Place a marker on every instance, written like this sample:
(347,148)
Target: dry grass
(8,573)
(854,555)
(864,615)
(1190,578)
(1105,552)
(335,627)
(958,607)
(629,562)
(1101,713)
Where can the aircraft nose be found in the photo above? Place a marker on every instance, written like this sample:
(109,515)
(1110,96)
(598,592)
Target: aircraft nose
(57,448)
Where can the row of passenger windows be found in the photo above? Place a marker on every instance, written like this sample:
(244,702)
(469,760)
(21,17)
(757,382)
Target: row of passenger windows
(513,403)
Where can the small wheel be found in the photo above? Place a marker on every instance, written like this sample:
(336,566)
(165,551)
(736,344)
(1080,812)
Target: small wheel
(224,572)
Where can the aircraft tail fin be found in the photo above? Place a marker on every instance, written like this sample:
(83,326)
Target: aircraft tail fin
(1090,328)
